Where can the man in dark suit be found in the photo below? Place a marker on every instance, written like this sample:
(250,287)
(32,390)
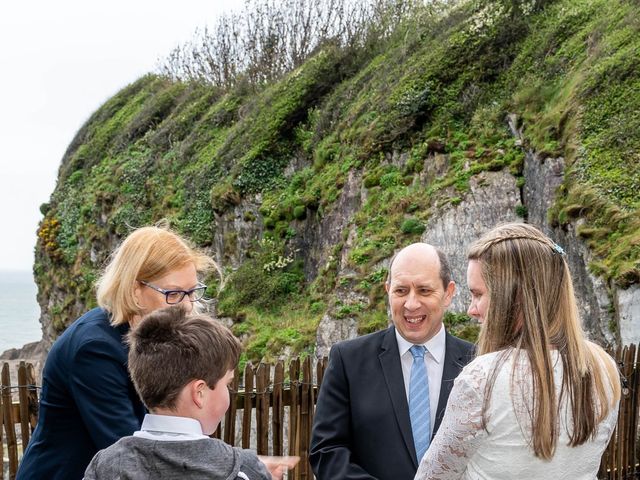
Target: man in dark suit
(363,428)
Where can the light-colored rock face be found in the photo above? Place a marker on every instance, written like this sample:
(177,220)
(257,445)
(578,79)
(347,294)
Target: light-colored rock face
(592,294)
(629,314)
(317,237)
(317,242)
(451,228)
(331,330)
(491,200)
(542,178)
(235,231)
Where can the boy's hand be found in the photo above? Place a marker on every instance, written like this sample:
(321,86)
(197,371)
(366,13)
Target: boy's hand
(278,465)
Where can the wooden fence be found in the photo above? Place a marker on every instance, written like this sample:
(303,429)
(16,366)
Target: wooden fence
(271,402)
(24,413)
(620,459)
(278,409)
(278,406)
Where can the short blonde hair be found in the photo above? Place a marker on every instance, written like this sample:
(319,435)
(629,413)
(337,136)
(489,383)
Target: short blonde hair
(148,253)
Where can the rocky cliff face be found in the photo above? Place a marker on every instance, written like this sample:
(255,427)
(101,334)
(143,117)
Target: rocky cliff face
(494,198)
(304,188)
(491,200)
(543,176)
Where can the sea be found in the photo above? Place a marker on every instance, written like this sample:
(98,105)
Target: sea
(19,310)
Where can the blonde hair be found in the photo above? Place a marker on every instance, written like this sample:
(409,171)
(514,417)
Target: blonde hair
(148,253)
(532,308)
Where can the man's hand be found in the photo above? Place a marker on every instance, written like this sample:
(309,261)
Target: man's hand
(278,465)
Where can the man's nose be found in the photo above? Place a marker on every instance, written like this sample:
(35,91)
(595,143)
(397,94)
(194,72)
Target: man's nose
(412,302)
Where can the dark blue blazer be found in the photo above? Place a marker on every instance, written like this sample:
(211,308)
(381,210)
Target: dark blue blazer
(361,428)
(87,402)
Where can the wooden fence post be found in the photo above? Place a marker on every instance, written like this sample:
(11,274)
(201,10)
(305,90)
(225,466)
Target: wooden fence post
(627,454)
(1,439)
(262,408)
(23,396)
(294,412)
(246,414)
(277,411)
(634,386)
(32,394)
(7,414)
(623,419)
(230,416)
(306,398)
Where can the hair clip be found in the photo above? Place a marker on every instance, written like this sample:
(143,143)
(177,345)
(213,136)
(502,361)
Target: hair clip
(558,249)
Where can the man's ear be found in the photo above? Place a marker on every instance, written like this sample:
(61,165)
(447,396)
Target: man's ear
(386,287)
(449,293)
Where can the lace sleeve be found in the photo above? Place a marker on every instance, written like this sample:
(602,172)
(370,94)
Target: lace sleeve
(461,429)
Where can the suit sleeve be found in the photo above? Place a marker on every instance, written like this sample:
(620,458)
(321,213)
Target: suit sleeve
(330,453)
(100,387)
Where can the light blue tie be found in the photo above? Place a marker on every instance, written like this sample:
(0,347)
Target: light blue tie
(419,409)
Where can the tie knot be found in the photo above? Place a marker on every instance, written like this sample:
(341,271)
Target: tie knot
(418,351)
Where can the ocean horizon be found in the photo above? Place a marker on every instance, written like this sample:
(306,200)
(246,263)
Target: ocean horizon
(19,310)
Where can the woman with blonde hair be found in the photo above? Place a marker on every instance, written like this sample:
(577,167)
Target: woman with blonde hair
(540,401)
(88,400)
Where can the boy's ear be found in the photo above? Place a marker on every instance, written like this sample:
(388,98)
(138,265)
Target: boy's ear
(198,391)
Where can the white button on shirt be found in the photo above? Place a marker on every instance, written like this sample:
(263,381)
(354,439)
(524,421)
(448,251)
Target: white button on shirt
(434,362)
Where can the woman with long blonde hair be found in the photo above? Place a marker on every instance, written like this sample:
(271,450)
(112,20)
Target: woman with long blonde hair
(540,401)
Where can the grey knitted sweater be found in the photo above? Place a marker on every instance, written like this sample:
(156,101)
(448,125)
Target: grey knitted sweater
(137,458)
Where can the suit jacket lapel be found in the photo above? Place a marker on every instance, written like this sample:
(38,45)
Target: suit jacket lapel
(392,370)
(453,363)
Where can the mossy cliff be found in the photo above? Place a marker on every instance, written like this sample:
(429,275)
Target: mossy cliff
(304,188)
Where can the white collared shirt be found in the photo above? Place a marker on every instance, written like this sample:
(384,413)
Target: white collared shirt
(434,362)
(167,428)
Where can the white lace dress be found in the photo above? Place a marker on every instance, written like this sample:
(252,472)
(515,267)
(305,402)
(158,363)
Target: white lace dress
(462,449)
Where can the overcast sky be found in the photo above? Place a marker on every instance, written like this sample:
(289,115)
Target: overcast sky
(59,61)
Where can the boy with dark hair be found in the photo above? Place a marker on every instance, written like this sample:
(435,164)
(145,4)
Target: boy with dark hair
(181,366)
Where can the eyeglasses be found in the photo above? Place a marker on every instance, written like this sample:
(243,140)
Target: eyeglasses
(176,296)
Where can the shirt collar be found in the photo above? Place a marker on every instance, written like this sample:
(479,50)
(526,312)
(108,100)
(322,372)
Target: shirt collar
(170,424)
(435,345)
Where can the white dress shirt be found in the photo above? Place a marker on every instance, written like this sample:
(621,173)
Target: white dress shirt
(168,428)
(434,362)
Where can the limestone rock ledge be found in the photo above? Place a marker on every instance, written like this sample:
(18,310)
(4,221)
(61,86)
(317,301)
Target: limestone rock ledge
(34,353)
